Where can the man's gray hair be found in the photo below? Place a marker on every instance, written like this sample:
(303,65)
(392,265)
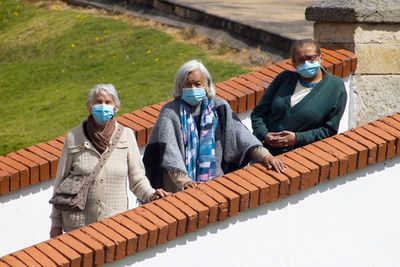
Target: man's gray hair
(181,76)
(107,88)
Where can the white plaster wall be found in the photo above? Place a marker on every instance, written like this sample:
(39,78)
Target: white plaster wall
(349,221)
(25,216)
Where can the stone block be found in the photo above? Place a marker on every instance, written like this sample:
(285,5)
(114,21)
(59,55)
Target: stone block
(367,33)
(378,58)
(345,34)
(375,96)
(334,32)
(368,11)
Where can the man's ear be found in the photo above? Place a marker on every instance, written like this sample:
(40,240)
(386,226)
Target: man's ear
(89,107)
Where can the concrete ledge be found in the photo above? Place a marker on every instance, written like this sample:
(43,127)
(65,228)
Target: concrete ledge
(372,11)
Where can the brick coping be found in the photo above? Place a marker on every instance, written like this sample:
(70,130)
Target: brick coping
(183,212)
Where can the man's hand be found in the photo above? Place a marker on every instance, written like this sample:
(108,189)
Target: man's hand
(280,139)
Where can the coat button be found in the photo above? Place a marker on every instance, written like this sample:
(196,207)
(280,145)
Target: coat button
(101,180)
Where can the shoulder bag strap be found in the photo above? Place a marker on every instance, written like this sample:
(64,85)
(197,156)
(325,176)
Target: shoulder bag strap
(105,155)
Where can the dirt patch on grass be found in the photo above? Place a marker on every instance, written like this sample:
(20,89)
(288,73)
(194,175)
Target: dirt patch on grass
(252,59)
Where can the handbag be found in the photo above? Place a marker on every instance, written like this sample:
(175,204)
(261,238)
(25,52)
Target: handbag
(71,194)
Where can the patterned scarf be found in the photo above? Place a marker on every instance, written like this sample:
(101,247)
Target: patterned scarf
(100,138)
(200,151)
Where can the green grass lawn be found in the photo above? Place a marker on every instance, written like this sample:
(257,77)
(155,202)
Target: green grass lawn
(49,59)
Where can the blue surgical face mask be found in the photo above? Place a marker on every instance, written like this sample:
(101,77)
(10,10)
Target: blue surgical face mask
(193,96)
(308,70)
(102,113)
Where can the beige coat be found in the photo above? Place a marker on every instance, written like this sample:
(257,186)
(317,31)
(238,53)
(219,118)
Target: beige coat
(108,193)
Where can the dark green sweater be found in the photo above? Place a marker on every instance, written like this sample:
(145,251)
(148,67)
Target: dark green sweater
(315,117)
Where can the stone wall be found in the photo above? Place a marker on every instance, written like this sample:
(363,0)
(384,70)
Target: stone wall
(371,29)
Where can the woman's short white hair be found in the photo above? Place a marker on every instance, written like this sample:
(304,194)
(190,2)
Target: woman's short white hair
(181,76)
(107,88)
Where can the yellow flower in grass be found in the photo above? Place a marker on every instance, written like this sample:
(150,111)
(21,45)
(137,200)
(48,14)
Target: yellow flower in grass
(181,54)
(72,45)
(105,31)
(148,52)
(90,56)
(15,13)
(97,38)
(6,20)
(133,62)
(77,16)
(18,6)
(114,57)
(1,3)
(156,59)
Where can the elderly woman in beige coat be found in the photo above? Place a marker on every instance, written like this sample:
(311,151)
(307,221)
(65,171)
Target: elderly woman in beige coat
(83,147)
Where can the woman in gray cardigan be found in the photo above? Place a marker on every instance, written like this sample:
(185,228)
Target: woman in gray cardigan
(197,137)
(83,147)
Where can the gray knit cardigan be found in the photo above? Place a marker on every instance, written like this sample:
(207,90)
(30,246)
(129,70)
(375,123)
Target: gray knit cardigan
(165,148)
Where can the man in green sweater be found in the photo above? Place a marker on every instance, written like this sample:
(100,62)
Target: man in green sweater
(299,107)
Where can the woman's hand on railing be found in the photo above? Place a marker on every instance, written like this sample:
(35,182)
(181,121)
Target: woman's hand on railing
(159,193)
(274,163)
(190,184)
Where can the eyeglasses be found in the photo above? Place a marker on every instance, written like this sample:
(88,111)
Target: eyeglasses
(310,59)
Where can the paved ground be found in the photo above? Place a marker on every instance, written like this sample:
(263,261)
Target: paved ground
(284,18)
(270,25)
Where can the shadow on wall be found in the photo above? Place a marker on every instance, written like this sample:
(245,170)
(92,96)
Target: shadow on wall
(257,212)
(24,192)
